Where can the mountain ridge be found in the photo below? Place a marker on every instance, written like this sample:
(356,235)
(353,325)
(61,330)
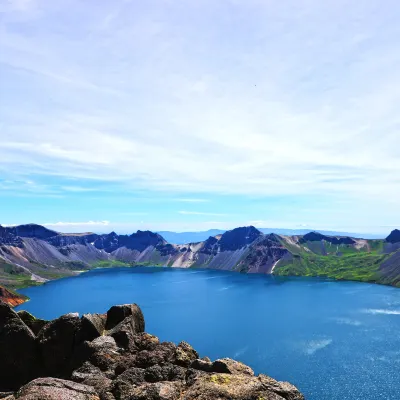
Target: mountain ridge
(32,254)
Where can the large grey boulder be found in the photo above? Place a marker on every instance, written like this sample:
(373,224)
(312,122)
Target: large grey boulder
(18,351)
(56,389)
(56,342)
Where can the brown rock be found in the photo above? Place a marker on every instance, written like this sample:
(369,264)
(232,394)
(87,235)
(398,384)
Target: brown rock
(185,354)
(229,366)
(56,389)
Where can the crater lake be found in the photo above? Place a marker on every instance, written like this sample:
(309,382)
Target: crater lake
(333,340)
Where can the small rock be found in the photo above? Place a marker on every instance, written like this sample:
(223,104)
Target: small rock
(157,391)
(185,354)
(229,366)
(123,383)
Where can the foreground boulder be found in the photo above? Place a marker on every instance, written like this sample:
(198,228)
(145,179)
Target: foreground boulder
(18,350)
(56,389)
(110,357)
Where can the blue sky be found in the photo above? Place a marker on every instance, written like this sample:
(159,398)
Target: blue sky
(189,115)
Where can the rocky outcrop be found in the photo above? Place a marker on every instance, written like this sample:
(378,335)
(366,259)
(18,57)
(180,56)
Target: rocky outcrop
(11,298)
(110,357)
(316,237)
(32,231)
(394,236)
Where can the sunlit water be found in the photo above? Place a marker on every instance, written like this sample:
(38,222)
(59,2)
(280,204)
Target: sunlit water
(334,340)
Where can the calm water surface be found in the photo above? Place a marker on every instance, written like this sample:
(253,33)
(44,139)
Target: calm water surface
(334,340)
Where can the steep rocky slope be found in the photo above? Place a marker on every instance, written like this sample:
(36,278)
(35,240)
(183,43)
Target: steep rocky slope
(109,357)
(31,254)
(343,258)
(11,298)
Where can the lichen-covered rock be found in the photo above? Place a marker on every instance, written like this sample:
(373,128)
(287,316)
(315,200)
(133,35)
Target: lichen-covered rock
(185,354)
(284,389)
(235,387)
(56,389)
(114,360)
(18,350)
(202,365)
(229,366)
(157,391)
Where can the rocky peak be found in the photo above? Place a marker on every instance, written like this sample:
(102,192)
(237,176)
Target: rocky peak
(238,238)
(394,236)
(32,231)
(316,237)
(109,357)
(8,238)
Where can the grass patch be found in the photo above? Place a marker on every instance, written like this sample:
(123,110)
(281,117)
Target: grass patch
(360,266)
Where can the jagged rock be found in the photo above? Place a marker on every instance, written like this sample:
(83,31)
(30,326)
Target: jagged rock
(93,326)
(87,370)
(56,389)
(165,372)
(103,353)
(35,324)
(283,389)
(316,236)
(202,365)
(229,366)
(236,387)
(117,314)
(18,351)
(185,354)
(56,343)
(100,383)
(164,352)
(145,341)
(394,236)
(101,369)
(123,383)
(156,391)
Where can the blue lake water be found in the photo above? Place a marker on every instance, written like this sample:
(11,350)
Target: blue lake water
(334,340)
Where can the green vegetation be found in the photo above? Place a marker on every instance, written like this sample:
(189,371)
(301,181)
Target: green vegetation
(110,264)
(360,266)
(14,277)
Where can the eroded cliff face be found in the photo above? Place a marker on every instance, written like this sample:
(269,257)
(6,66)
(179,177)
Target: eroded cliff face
(10,298)
(34,253)
(110,357)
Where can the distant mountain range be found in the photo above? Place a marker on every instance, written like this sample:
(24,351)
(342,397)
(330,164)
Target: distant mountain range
(32,254)
(188,237)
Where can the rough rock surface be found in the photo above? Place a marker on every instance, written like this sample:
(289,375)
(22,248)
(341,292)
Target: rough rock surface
(110,357)
(12,299)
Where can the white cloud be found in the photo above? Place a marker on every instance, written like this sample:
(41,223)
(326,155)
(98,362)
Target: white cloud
(245,98)
(68,224)
(201,213)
